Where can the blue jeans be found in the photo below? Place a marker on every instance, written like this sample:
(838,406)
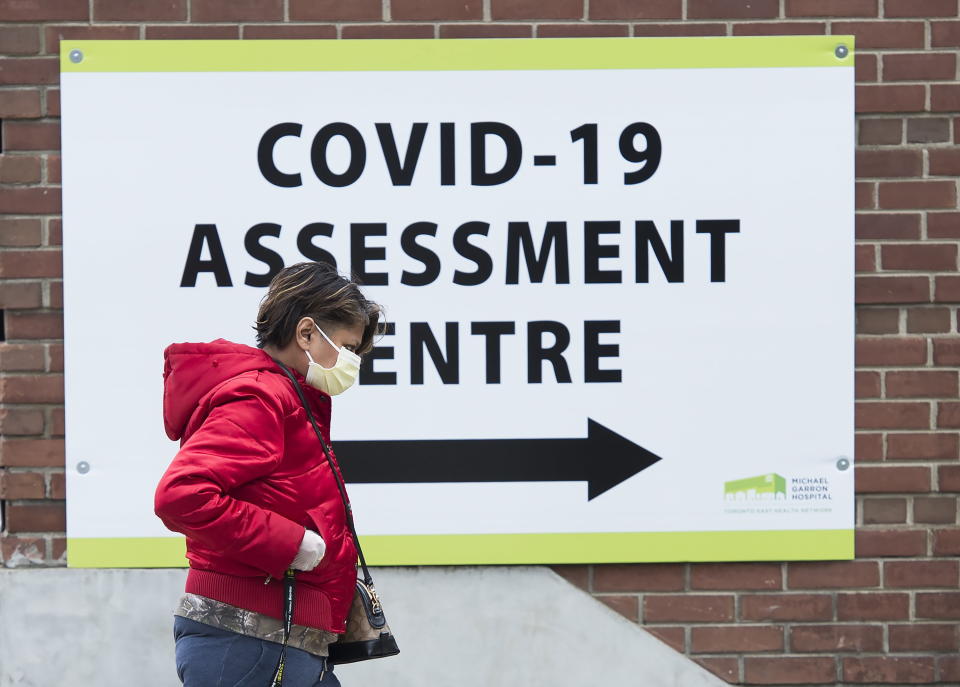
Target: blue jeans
(210,657)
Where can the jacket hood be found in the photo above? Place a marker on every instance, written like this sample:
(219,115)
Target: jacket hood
(191,370)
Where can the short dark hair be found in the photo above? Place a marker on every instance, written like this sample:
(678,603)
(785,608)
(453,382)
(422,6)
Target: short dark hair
(316,290)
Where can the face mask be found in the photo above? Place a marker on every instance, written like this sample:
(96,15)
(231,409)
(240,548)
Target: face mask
(337,379)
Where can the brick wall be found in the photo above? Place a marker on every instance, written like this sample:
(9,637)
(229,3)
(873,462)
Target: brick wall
(889,617)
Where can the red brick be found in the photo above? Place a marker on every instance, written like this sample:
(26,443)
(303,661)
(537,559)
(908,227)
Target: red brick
(928,130)
(21,357)
(190,32)
(31,136)
(866,68)
(34,325)
(435,10)
(889,163)
(19,169)
(55,34)
(881,226)
(31,453)
(636,9)
(945,34)
(923,637)
(53,102)
(680,29)
(892,415)
(336,10)
(943,225)
(577,575)
(836,638)
(946,351)
(486,31)
(584,30)
(890,479)
(44,10)
(935,511)
(44,517)
(865,258)
(884,511)
(780,28)
(873,606)
(928,320)
(534,9)
(21,485)
(733,9)
(735,576)
(736,639)
(691,608)
(388,31)
(944,98)
(888,669)
(30,201)
(26,264)
(922,384)
(919,574)
(782,607)
(884,98)
(867,384)
(946,289)
(56,422)
(934,446)
(919,8)
(832,8)
(236,10)
(949,667)
(672,636)
(887,290)
(878,320)
(56,357)
(626,605)
(917,194)
(868,447)
(140,10)
(880,131)
(948,476)
(638,577)
(832,574)
(21,551)
(885,352)
(21,421)
(58,486)
(872,543)
(55,231)
(25,294)
(948,415)
(19,40)
(882,34)
(53,164)
(945,162)
(727,669)
(31,71)
(938,605)
(919,67)
(58,550)
(32,389)
(289,31)
(19,104)
(789,671)
(946,542)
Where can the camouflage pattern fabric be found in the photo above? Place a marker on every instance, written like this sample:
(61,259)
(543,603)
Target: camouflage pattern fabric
(226,617)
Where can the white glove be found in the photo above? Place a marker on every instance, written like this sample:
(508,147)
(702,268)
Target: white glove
(311,551)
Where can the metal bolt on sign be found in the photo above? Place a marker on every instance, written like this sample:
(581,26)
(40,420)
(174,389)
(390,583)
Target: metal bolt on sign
(841,51)
(76,56)
(842,463)
(83,467)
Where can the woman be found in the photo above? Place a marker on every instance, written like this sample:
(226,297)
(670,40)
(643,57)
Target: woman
(252,491)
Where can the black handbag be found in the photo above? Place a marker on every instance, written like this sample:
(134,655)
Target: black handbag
(367,635)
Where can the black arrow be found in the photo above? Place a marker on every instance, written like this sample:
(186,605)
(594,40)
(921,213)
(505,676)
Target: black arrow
(603,459)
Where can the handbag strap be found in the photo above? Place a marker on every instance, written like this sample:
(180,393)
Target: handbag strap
(367,579)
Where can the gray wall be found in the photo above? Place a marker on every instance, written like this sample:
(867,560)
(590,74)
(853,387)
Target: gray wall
(522,626)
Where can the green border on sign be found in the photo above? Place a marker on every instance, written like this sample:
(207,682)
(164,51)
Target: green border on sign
(514,549)
(453,54)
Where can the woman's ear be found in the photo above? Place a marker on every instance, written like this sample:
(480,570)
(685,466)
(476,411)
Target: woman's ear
(304,334)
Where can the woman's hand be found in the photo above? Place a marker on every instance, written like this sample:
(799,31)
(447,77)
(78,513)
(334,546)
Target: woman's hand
(311,551)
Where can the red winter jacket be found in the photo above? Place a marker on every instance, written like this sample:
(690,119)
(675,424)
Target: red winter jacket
(249,477)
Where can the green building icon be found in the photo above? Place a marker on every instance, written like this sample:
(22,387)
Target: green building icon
(770,486)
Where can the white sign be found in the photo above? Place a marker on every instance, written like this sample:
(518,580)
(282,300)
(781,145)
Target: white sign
(618,275)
